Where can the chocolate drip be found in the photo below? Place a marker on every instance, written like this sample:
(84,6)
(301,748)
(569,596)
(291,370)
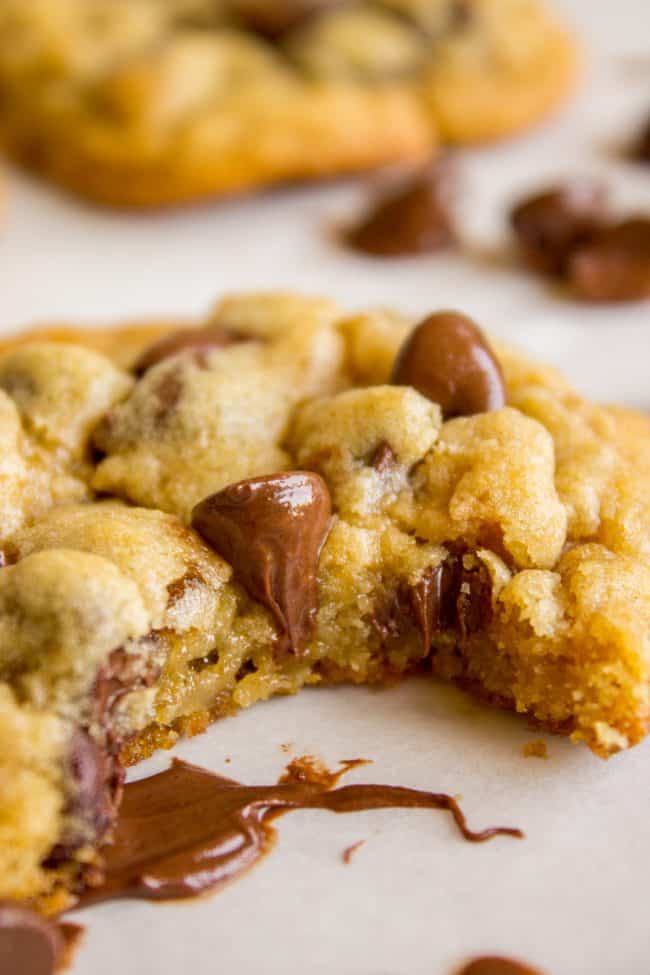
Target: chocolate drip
(186,830)
(495,965)
(271,530)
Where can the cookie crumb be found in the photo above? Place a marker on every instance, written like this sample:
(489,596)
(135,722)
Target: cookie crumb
(349,851)
(535,749)
(287,746)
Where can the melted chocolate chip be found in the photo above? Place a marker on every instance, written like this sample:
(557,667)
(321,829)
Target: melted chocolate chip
(447,359)
(496,965)
(448,596)
(202,339)
(414,220)
(29,943)
(95,772)
(551,225)
(186,830)
(615,266)
(271,530)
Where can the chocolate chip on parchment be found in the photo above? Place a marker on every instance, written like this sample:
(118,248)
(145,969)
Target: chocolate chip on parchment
(550,225)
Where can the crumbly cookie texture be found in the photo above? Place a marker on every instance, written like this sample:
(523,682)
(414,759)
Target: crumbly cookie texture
(150,102)
(265,502)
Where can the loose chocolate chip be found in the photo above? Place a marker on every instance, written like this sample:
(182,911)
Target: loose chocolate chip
(413,220)
(29,943)
(551,225)
(448,360)
(615,266)
(271,530)
(642,149)
(201,340)
(273,18)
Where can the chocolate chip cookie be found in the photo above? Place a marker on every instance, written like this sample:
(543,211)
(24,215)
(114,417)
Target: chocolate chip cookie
(197,518)
(151,102)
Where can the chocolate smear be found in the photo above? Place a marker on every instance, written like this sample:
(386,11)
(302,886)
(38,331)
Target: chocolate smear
(349,851)
(202,339)
(29,943)
(414,219)
(271,530)
(615,266)
(496,965)
(550,225)
(186,830)
(448,359)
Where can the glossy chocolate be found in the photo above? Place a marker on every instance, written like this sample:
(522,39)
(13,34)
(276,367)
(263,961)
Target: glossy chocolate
(616,265)
(550,225)
(202,339)
(412,220)
(496,965)
(271,530)
(448,596)
(186,831)
(29,943)
(448,359)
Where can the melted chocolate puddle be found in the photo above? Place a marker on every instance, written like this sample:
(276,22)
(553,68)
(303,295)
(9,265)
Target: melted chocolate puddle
(186,831)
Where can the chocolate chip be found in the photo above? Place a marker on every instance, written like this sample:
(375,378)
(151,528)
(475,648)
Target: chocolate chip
(202,340)
(413,220)
(642,148)
(551,225)
(448,360)
(273,18)
(616,265)
(449,596)
(383,458)
(29,943)
(271,530)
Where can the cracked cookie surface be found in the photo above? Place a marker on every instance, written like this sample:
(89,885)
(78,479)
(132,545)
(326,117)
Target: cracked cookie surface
(150,102)
(264,501)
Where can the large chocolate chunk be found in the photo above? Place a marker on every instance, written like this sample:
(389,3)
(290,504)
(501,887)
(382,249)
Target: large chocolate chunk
(448,360)
(29,943)
(271,530)
(551,225)
(615,266)
(412,220)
